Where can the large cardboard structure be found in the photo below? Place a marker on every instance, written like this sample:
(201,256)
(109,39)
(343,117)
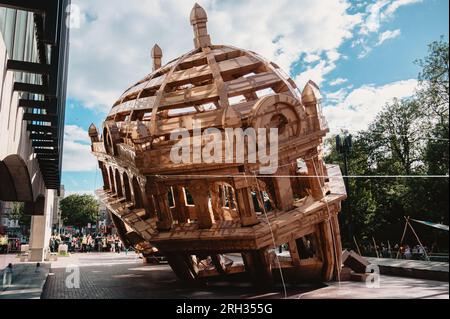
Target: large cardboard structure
(196,212)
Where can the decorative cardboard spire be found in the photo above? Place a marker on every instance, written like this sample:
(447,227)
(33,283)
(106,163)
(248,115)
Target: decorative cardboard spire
(198,21)
(93,133)
(157,57)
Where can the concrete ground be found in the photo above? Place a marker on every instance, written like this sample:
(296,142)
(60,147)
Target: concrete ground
(420,269)
(390,288)
(110,275)
(5,259)
(416,264)
(26,281)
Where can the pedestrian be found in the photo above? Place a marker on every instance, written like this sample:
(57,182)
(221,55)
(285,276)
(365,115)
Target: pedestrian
(57,242)
(89,243)
(119,246)
(52,243)
(8,276)
(83,243)
(421,253)
(407,252)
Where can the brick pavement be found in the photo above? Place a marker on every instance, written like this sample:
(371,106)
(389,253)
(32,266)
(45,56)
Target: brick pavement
(112,276)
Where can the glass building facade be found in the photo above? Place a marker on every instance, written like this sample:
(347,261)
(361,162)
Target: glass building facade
(19,35)
(36,36)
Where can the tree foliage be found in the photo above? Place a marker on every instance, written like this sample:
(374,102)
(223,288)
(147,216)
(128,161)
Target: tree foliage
(79,210)
(405,144)
(18,213)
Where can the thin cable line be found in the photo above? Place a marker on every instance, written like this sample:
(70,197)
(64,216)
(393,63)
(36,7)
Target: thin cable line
(394,134)
(273,238)
(299,176)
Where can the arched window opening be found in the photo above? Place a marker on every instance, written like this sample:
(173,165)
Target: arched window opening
(118,184)
(138,200)
(126,185)
(105,138)
(170,197)
(111,180)
(106,184)
(189,201)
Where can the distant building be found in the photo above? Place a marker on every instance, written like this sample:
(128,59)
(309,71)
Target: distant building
(8,223)
(5,211)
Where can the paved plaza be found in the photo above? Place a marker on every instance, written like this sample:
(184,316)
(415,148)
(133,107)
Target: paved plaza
(112,276)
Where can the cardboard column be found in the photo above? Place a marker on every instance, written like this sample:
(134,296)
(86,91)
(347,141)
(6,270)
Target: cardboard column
(200,195)
(244,200)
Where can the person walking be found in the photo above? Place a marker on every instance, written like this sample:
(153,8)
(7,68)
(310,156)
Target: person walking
(8,276)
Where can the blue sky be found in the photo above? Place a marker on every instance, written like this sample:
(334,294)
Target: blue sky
(361,54)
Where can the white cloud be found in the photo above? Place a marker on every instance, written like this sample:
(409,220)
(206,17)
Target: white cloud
(374,16)
(381,11)
(333,55)
(338,81)
(388,35)
(111,49)
(316,73)
(310,58)
(377,13)
(358,108)
(338,96)
(77,150)
(75,133)
(392,7)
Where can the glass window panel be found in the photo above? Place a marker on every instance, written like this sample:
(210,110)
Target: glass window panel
(2,20)
(29,38)
(20,35)
(10,24)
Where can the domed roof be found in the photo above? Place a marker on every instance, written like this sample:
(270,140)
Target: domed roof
(206,78)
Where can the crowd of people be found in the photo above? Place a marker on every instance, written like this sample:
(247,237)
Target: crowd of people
(87,243)
(403,251)
(11,244)
(414,252)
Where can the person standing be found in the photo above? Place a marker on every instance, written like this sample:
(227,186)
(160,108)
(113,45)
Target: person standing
(83,243)
(118,246)
(407,252)
(113,245)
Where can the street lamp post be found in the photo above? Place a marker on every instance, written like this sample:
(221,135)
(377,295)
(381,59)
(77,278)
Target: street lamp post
(344,147)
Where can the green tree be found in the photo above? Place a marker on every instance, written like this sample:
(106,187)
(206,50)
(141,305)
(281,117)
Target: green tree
(18,213)
(434,98)
(433,91)
(408,137)
(397,137)
(79,210)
